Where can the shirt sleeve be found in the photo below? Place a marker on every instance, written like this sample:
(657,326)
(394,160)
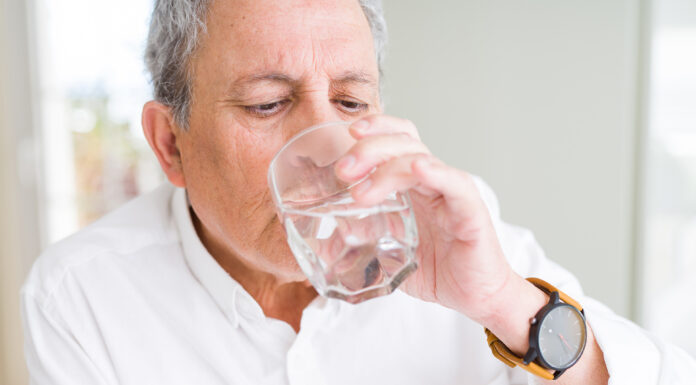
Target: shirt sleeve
(53,355)
(632,355)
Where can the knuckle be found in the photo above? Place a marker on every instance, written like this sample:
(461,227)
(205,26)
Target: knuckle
(372,119)
(423,157)
(412,143)
(406,123)
(359,150)
(404,136)
(393,124)
(466,179)
(465,176)
(369,150)
(423,148)
(410,127)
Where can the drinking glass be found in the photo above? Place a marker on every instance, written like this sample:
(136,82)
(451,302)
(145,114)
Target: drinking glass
(347,251)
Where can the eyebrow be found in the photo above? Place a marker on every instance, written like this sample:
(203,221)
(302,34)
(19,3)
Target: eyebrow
(355,77)
(241,85)
(343,83)
(239,88)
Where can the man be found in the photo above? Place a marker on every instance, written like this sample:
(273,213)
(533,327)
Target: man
(195,283)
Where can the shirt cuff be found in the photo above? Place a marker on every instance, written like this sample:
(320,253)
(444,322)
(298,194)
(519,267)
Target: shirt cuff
(630,353)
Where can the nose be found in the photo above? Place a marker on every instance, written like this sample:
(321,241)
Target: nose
(312,109)
(305,168)
(322,146)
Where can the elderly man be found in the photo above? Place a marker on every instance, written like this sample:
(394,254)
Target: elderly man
(194,283)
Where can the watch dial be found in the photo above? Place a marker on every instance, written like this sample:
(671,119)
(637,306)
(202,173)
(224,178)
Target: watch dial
(561,336)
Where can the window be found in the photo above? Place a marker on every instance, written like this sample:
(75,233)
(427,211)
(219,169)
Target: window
(92,89)
(669,244)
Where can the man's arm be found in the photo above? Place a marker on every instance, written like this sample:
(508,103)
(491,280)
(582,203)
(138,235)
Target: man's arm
(472,262)
(616,347)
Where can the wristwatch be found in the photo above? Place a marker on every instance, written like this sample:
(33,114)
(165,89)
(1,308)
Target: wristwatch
(557,336)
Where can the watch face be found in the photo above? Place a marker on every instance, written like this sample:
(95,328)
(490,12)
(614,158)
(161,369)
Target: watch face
(561,337)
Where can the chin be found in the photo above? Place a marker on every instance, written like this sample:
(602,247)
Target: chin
(280,260)
(289,269)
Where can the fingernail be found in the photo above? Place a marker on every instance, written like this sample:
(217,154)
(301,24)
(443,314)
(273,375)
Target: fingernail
(363,187)
(346,163)
(361,125)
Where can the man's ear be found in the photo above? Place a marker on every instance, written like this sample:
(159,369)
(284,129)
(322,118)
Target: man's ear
(161,131)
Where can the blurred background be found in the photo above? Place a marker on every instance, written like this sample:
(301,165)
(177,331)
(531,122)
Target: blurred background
(581,114)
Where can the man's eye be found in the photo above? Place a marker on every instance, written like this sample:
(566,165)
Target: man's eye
(352,106)
(267,109)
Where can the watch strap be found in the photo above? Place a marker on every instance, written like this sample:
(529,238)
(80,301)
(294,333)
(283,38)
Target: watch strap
(503,353)
(549,288)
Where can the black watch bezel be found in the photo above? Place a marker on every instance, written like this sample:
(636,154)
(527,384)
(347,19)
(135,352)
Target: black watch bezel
(534,353)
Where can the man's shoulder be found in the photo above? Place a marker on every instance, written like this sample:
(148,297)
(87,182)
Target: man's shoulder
(145,221)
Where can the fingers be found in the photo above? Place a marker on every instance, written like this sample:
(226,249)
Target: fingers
(423,173)
(394,175)
(390,148)
(381,125)
(372,151)
(457,187)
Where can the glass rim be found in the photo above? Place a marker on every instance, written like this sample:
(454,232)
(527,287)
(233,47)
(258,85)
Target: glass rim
(275,194)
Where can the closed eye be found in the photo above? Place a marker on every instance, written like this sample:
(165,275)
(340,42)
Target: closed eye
(351,106)
(266,109)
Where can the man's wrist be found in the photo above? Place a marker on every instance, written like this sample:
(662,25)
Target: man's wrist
(515,306)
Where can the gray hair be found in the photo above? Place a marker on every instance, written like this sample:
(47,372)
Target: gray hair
(175,28)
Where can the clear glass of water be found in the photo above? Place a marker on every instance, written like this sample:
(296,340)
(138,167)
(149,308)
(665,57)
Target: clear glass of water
(347,251)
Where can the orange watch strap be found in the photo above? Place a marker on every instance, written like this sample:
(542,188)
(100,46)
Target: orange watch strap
(549,288)
(501,352)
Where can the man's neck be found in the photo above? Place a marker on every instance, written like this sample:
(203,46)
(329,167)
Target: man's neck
(280,299)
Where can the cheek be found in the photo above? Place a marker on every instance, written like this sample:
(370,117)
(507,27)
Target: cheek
(226,169)
(243,167)
(250,156)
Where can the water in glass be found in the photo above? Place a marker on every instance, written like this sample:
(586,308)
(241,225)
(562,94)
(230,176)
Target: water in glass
(351,252)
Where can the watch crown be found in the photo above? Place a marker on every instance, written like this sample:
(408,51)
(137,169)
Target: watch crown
(533,321)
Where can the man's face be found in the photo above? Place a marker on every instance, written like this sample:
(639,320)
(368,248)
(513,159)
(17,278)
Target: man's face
(265,70)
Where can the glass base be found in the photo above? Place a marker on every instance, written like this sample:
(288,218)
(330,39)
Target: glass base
(374,292)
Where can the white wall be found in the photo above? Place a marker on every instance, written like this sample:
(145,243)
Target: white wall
(539,98)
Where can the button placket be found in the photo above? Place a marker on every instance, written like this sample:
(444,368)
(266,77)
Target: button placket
(303,362)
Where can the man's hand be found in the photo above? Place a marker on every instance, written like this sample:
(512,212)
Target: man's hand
(461,262)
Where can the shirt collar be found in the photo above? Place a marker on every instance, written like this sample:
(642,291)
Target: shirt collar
(229,295)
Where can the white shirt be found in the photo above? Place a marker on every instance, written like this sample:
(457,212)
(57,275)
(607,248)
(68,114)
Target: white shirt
(135,298)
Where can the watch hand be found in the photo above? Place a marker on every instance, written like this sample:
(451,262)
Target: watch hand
(565,343)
